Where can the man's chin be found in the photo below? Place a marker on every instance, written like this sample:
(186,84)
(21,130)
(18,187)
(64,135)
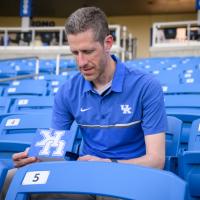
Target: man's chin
(88,78)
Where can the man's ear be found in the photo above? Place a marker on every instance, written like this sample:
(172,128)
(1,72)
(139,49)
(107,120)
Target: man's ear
(108,42)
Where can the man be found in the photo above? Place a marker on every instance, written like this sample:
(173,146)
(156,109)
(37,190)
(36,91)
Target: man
(120,112)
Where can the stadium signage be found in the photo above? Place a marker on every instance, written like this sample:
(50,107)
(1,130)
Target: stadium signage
(198,4)
(42,23)
(25,8)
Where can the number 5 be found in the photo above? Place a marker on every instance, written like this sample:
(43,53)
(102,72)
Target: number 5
(36,177)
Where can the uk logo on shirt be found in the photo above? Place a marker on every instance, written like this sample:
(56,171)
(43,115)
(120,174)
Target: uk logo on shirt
(126,109)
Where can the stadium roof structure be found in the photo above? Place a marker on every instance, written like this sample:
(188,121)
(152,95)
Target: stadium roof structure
(62,8)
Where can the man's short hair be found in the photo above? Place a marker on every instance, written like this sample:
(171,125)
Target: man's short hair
(88,18)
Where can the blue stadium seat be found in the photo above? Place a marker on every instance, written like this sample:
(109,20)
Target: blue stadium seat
(189,162)
(54,82)
(16,138)
(18,66)
(194,144)
(52,77)
(1,91)
(3,172)
(6,70)
(17,131)
(98,178)
(163,77)
(27,87)
(69,74)
(32,104)
(170,89)
(16,134)
(7,74)
(173,135)
(53,91)
(4,104)
(47,66)
(24,67)
(193,79)
(189,63)
(32,82)
(185,107)
(67,63)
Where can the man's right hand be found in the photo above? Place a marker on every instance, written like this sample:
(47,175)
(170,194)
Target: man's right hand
(21,159)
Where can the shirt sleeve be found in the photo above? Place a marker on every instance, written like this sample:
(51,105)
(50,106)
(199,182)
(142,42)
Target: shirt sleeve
(154,118)
(62,117)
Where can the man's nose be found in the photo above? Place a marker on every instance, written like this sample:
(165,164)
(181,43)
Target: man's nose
(81,60)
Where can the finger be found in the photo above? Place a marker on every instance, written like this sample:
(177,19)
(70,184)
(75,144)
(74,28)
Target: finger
(22,162)
(95,159)
(27,149)
(85,158)
(18,156)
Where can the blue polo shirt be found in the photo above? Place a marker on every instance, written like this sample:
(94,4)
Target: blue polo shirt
(112,125)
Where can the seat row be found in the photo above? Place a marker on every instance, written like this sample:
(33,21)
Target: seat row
(31,88)
(183,106)
(165,63)
(26,104)
(43,85)
(17,132)
(121,181)
(17,67)
(170,70)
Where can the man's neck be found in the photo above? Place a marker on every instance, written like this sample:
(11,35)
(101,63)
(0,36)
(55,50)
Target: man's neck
(106,77)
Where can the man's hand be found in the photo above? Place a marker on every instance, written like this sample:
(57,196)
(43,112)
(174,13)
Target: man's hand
(21,159)
(93,158)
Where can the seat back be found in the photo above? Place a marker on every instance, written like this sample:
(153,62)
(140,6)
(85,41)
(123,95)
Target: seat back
(98,178)
(185,107)
(33,104)
(3,172)
(173,135)
(1,91)
(5,103)
(27,87)
(194,139)
(163,76)
(17,131)
(181,89)
(189,162)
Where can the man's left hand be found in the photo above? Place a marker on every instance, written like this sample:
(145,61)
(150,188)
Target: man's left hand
(93,158)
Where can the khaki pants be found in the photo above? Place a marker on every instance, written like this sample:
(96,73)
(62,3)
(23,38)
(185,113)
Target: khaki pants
(12,172)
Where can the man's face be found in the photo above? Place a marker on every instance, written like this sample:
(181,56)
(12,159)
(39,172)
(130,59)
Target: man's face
(90,55)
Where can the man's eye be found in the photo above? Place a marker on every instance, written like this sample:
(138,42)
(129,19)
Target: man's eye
(74,52)
(88,52)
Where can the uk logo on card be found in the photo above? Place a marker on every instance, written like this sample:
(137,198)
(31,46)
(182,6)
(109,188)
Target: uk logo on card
(49,144)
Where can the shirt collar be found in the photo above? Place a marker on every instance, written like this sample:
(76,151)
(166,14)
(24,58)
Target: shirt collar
(87,86)
(118,77)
